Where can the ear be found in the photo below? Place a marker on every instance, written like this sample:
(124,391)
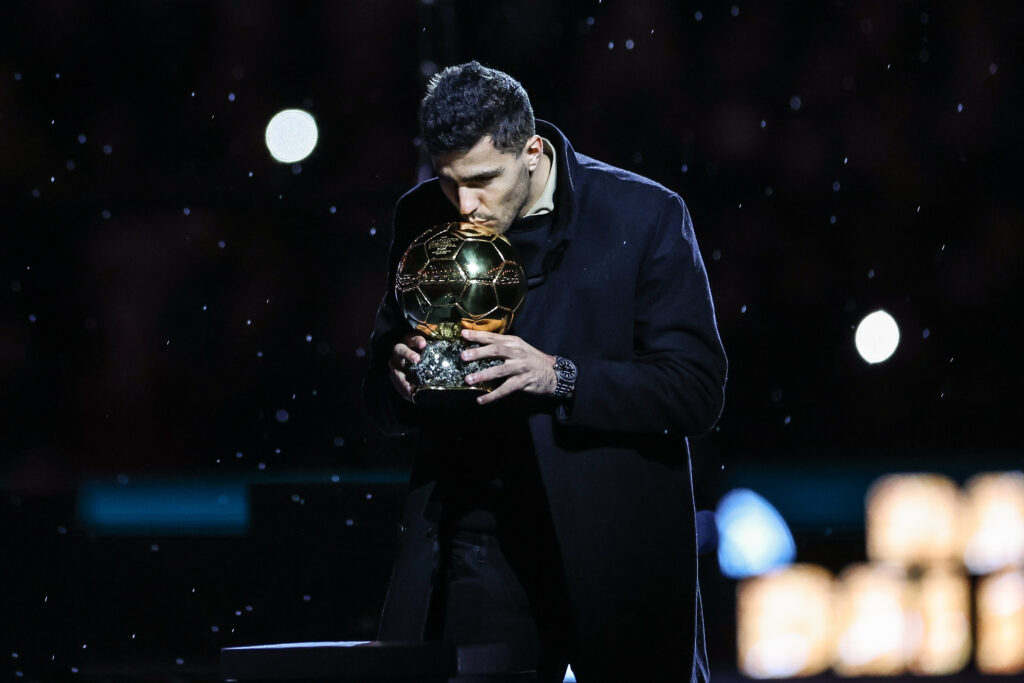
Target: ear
(534,149)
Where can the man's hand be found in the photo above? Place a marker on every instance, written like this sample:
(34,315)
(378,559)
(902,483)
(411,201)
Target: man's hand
(525,368)
(402,356)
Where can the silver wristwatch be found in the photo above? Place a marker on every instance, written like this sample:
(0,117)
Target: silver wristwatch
(565,372)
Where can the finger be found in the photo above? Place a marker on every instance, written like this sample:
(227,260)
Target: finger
(482,337)
(506,369)
(499,350)
(416,341)
(401,353)
(507,387)
(401,384)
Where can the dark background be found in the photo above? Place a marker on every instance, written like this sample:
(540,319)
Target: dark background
(160,275)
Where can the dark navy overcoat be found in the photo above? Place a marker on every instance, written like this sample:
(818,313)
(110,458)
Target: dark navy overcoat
(627,299)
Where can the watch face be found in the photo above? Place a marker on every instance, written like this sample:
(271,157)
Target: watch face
(565,369)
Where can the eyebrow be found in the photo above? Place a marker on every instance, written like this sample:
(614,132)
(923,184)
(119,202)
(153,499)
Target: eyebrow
(488,174)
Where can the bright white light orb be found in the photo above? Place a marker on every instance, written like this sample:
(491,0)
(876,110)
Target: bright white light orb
(291,135)
(877,337)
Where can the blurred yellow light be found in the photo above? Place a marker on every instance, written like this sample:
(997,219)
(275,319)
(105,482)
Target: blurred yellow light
(938,622)
(914,519)
(995,522)
(870,611)
(782,623)
(1001,623)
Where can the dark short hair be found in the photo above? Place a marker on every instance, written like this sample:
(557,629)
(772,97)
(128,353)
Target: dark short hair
(464,103)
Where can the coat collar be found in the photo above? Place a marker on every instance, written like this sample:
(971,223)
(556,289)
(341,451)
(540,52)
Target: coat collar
(567,198)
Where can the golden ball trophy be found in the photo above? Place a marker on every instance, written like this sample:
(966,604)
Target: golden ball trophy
(455,277)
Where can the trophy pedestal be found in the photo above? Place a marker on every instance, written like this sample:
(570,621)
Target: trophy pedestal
(378,662)
(440,376)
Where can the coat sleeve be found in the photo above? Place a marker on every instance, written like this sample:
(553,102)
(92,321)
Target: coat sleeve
(675,381)
(389,412)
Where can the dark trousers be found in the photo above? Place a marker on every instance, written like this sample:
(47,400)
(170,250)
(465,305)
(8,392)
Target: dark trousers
(510,591)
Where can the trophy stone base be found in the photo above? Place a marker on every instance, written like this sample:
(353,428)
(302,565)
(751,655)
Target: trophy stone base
(439,379)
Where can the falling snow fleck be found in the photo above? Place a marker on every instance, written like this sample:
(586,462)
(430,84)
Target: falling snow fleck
(373,231)
(70,165)
(81,138)
(795,103)
(309,337)
(764,123)
(259,354)
(204,307)
(52,179)
(611,45)
(335,478)
(17,77)
(590,21)
(349,522)
(992,68)
(31,318)
(743,308)
(787,420)
(698,15)
(186,211)
(154,547)
(221,244)
(231,97)
(832,220)
(871,274)
(846,160)
(360,352)
(333,209)
(735,11)
(835,186)
(685,168)
(250,174)
(925,333)
(281,415)
(107,149)
(629,44)
(35,193)
(179,661)
(261,466)
(339,441)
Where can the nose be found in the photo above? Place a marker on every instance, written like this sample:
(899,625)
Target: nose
(468,201)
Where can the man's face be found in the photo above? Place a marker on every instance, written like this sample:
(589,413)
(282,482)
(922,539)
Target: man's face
(487,186)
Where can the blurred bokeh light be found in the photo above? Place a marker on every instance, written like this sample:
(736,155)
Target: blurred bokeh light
(291,135)
(914,519)
(995,522)
(938,623)
(870,604)
(1001,623)
(783,623)
(753,536)
(877,337)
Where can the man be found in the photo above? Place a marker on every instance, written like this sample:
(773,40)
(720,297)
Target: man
(557,515)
